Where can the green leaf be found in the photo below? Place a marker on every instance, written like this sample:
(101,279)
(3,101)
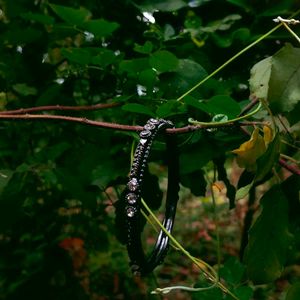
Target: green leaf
(214,293)
(232,271)
(260,76)
(284,91)
(24,89)
(144,49)
(5,176)
(100,27)
(71,15)
(293,292)
(163,61)
(243,191)
(170,108)
(104,57)
(40,18)
(187,74)
(244,292)
(266,162)
(269,238)
(147,78)
(276,79)
(49,96)
(138,108)
(134,66)
(162,5)
(77,55)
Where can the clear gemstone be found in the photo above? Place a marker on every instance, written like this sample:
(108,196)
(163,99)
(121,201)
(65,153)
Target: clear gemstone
(149,126)
(145,133)
(130,211)
(133,185)
(131,198)
(143,141)
(136,270)
(154,121)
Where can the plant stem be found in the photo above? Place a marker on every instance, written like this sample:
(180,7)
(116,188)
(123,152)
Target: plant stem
(202,265)
(233,58)
(291,31)
(194,122)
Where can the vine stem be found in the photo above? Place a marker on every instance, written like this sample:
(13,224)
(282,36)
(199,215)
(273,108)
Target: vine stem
(291,31)
(213,198)
(202,265)
(194,122)
(234,58)
(228,62)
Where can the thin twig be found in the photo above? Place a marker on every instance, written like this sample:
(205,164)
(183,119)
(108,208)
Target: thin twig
(287,21)
(60,108)
(122,127)
(116,126)
(248,107)
(292,168)
(72,119)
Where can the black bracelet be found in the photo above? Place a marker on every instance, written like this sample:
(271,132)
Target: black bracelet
(140,264)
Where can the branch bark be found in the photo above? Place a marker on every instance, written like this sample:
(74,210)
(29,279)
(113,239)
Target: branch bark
(60,108)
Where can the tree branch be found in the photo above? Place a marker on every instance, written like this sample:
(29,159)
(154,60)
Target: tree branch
(60,108)
(186,129)
(292,168)
(109,125)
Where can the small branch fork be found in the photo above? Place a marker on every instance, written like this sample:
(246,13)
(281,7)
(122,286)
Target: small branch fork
(24,114)
(286,23)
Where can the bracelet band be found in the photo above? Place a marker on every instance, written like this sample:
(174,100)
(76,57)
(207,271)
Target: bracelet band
(140,264)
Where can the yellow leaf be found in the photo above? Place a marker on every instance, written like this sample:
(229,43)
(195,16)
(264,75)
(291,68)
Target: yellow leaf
(249,151)
(268,135)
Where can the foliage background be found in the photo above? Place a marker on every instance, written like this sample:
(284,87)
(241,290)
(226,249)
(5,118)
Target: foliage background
(59,181)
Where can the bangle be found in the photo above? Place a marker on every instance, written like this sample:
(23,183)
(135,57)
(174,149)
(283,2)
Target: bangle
(140,264)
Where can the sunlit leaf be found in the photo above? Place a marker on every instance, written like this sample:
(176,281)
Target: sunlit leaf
(276,79)
(243,191)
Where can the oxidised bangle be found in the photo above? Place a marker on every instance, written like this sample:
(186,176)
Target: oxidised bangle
(140,264)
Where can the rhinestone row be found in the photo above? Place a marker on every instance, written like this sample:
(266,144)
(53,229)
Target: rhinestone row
(141,155)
